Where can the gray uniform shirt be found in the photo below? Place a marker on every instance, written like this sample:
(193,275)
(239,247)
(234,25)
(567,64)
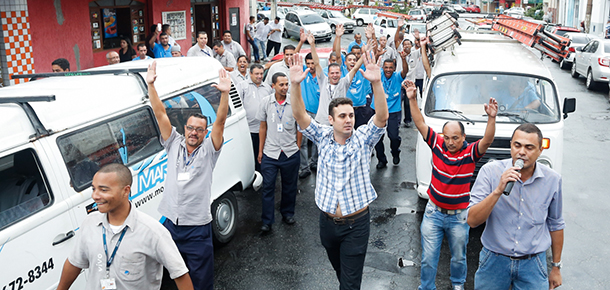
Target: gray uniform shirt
(278,139)
(237,77)
(252,96)
(146,248)
(235,48)
(197,51)
(327,94)
(187,202)
(227,59)
(278,67)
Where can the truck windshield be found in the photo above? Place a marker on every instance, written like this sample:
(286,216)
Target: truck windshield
(520,98)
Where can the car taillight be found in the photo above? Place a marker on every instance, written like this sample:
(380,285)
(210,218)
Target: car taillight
(604,61)
(571,49)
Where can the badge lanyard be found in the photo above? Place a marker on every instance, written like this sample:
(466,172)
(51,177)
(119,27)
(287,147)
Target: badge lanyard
(278,112)
(188,161)
(387,85)
(116,247)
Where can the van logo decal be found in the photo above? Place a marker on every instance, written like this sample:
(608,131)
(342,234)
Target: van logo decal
(123,149)
(149,179)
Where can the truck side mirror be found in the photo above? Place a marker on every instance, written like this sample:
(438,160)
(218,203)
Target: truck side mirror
(569,106)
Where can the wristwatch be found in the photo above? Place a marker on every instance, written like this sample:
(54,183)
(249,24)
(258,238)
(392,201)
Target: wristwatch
(558,265)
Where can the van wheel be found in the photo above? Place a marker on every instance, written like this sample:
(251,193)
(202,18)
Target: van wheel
(333,28)
(591,84)
(224,215)
(573,72)
(359,22)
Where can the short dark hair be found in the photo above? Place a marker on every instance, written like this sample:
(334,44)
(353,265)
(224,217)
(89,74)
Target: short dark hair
(333,65)
(122,172)
(308,56)
(256,66)
(217,43)
(351,53)
(251,17)
(198,116)
(277,18)
(164,27)
(141,45)
(390,61)
(459,123)
(243,57)
(336,102)
(201,33)
(529,128)
(226,31)
(355,47)
(163,34)
(266,18)
(287,47)
(61,62)
(332,54)
(277,75)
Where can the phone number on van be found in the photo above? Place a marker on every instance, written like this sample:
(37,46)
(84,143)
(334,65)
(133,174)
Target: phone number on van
(33,274)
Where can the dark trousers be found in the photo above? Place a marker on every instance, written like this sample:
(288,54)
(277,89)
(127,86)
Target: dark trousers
(195,246)
(289,170)
(255,147)
(392,132)
(419,83)
(272,45)
(254,51)
(346,246)
(362,116)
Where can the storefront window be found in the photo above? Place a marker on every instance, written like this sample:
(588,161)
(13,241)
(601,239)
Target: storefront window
(112,20)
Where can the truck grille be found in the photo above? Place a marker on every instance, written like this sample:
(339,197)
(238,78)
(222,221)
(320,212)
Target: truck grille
(235,96)
(499,149)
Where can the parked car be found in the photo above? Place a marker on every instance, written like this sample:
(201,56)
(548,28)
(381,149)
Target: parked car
(514,10)
(576,40)
(387,27)
(418,14)
(560,30)
(334,18)
(473,9)
(364,16)
(593,61)
(308,20)
(458,8)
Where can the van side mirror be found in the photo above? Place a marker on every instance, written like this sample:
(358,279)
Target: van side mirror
(569,106)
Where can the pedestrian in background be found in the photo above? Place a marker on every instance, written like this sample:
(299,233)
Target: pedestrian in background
(142,52)
(281,66)
(126,53)
(224,56)
(274,37)
(112,57)
(201,48)
(249,30)
(60,65)
(261,36)
(231,45)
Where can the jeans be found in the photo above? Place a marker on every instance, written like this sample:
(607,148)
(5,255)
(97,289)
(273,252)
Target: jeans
(289,170)
(346,246)
(307,161)
(498,272)
(434,226)
(261,47)
(254,50)
(392,131)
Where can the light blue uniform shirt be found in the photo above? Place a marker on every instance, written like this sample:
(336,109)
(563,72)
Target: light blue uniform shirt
(519,223)
(310,89)
(358,90)
(351,44)
(160,52)
(391,87)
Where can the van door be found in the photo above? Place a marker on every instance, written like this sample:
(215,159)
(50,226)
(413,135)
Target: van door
(36,231)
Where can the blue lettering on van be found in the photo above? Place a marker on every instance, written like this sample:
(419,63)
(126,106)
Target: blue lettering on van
(123,149)
(154,176)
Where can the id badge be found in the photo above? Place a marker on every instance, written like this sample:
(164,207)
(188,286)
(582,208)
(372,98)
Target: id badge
(108,283)
(184,176)
(280,128)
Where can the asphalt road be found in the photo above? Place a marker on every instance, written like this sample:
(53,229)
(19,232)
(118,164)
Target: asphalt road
(291,257)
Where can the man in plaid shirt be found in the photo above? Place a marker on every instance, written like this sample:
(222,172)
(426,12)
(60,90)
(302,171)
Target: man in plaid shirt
(343,186)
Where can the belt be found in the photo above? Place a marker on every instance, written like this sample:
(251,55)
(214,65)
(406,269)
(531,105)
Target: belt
(525,257)
(446,211)
(346,220)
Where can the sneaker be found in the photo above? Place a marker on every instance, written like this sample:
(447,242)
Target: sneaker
(381,165)
(458,287)
(313,166)
(407,125)
(304,174)
(396,160)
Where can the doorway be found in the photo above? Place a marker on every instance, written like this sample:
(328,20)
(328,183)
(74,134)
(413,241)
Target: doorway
(206,18)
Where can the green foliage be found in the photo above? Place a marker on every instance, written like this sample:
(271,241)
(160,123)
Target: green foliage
(532,12)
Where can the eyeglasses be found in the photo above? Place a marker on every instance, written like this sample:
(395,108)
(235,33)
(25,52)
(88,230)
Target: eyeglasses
(191,128)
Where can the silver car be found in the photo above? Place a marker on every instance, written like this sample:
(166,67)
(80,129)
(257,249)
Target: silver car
(309,21)
(334,18)
(577,40)
(593,61)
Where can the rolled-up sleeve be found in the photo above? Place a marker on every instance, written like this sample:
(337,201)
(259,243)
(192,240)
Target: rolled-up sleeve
(555,221)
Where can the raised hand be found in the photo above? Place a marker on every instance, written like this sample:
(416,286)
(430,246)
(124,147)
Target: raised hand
(372,73)
(311,39)
(297,75)
(401,22)
(224,81)
(303,35)
(151,73)
(403,54)
(492,108)
(423,41)
(369,31)
(410,89)
(340,30)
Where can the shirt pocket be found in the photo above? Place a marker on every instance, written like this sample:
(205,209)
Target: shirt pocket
(132,267)
(540,214)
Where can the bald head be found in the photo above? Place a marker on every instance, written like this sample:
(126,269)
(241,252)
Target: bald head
(113,57)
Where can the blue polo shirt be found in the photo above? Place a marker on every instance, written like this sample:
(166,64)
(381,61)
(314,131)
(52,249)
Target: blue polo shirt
(359,88)
(344,70)
(351,44)
(310,90)
(391,87)
(160,52)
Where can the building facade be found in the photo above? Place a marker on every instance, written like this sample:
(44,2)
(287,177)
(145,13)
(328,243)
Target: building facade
(36,32)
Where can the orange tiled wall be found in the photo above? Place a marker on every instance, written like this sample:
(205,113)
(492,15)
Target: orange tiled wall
(16,39)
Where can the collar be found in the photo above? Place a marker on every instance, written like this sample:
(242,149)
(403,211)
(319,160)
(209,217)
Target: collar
(273,100)
(130,221)
(537,171)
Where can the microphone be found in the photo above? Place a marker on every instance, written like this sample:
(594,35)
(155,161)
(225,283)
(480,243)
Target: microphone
(510,184)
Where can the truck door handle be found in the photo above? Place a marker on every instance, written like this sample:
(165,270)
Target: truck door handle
(68,236)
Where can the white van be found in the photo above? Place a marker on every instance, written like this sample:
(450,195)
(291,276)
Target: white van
(57,131)
(484,66)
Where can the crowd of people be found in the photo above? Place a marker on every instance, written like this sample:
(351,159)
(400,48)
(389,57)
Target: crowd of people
(305,118)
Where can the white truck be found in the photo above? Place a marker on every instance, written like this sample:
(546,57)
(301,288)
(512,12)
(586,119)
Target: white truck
(58,130)
(464,77)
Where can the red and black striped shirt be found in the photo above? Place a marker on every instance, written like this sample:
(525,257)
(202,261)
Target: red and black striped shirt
(451,173)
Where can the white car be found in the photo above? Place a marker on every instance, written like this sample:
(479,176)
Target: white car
(593,61)
(364,16)
(387,27)
(458,8)
(308,20)
(334,18)
(418,14)
(577,40)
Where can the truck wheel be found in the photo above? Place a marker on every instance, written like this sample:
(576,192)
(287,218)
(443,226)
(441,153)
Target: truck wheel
(224,215)
(359,22)
(573,72)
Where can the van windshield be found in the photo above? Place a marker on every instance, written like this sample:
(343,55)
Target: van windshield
(520,98)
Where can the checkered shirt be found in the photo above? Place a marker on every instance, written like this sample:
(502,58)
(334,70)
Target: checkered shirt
(344,170)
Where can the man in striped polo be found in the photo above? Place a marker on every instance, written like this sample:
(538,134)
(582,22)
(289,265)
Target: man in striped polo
(446,213)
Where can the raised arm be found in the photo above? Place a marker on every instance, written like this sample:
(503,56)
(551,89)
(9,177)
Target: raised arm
(405,66)
(158,108)
(373,75)
(355,69)
(153,39)
(339,30)
(401,22)
(297,75)
(492,110)
(424,56)
(416,115)
(302,39)
(314,54)
(224,85)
